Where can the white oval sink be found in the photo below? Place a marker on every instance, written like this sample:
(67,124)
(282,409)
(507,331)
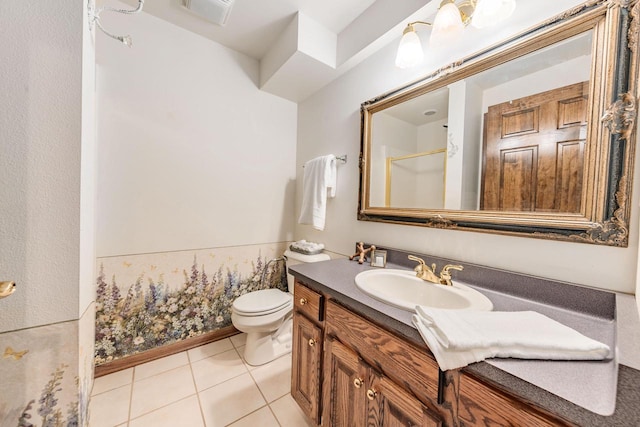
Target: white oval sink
(402,289)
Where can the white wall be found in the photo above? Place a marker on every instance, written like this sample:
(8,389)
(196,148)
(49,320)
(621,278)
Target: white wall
(394,138)
(432,136)
(472,147)
(329,122)
(456,135)
(431,182)
(192,153)
(88,168)
(40,165)
(47,197)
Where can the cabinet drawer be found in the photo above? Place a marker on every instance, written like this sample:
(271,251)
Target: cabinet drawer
(307,301)
(481,405)
(403,362)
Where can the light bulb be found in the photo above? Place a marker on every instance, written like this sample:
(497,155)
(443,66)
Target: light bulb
(490,12)
(410,51)
(447,26)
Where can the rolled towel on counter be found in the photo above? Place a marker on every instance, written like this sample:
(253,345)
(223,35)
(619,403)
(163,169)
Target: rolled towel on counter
(460,337)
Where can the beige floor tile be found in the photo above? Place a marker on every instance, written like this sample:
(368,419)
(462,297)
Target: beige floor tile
(111,381)
(210,349)
(289,413)
(230,401)
(241,353)
(160,365)
(110,408)
(216,369)
(239,340)
(263,417)
(274,378)
(185,412)
(160,390)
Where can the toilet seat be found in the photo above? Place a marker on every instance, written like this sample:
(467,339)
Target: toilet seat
(262,302)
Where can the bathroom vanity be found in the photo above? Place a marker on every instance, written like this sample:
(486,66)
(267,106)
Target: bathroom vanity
(357,361)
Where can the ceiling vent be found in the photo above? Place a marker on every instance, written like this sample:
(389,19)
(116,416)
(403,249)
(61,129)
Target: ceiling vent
(216,11)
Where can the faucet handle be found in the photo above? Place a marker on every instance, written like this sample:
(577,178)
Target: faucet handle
(423,265)
(445,274)
(415,258)
(419,269)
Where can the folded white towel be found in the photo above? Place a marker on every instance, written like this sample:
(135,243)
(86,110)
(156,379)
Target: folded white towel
(458,338)
(318,183)
(308,248)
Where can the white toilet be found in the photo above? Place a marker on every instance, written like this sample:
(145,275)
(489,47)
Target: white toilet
(266,316)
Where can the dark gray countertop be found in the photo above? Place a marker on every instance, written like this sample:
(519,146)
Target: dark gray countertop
(563,388)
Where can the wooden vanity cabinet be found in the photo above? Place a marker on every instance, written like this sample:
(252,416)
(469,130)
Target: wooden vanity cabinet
(328,344)
(355,373)
(307,351)
(363,368)
(355,394)
(482,405)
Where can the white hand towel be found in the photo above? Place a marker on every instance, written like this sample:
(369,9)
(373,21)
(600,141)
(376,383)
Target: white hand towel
(458,338)
(318,183)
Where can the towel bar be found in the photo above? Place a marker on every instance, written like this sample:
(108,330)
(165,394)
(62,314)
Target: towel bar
(342,159)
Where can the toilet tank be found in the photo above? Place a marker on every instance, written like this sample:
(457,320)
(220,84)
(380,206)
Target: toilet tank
(294,258)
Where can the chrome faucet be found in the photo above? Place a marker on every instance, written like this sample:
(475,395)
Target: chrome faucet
(428,274)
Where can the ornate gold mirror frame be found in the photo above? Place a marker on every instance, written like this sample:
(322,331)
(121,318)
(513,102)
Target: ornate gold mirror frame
(611,131)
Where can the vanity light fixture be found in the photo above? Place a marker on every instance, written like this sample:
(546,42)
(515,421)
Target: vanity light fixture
(410,51)
(448,25)
(94,18)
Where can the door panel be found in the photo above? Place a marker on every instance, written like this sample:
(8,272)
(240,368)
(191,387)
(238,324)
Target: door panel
(533,152)
(517,178)
(569,168)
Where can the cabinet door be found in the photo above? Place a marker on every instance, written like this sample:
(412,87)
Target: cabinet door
(481,405)
(344,387)
(305,369)
(394,407)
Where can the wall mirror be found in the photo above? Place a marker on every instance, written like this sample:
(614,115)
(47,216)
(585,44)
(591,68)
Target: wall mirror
(534,136)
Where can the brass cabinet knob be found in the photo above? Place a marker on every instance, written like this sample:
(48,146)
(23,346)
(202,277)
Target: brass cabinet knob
(303,301)
(371,394)
(312,342)
(357,382)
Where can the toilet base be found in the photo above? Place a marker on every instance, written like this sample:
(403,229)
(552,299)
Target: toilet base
(263,347)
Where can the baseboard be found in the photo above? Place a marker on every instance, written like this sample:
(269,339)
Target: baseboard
(165,350)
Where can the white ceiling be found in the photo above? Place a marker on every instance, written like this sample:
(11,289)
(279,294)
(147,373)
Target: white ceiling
(302,45)
(254,25)
(344,31)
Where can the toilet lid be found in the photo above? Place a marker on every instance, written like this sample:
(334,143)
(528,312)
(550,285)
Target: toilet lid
(264,301)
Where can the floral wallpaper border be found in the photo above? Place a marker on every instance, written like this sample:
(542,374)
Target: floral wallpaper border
(150,312)
(44,374)
(48,408)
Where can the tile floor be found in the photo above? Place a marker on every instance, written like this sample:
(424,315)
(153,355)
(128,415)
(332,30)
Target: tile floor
(208,386)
